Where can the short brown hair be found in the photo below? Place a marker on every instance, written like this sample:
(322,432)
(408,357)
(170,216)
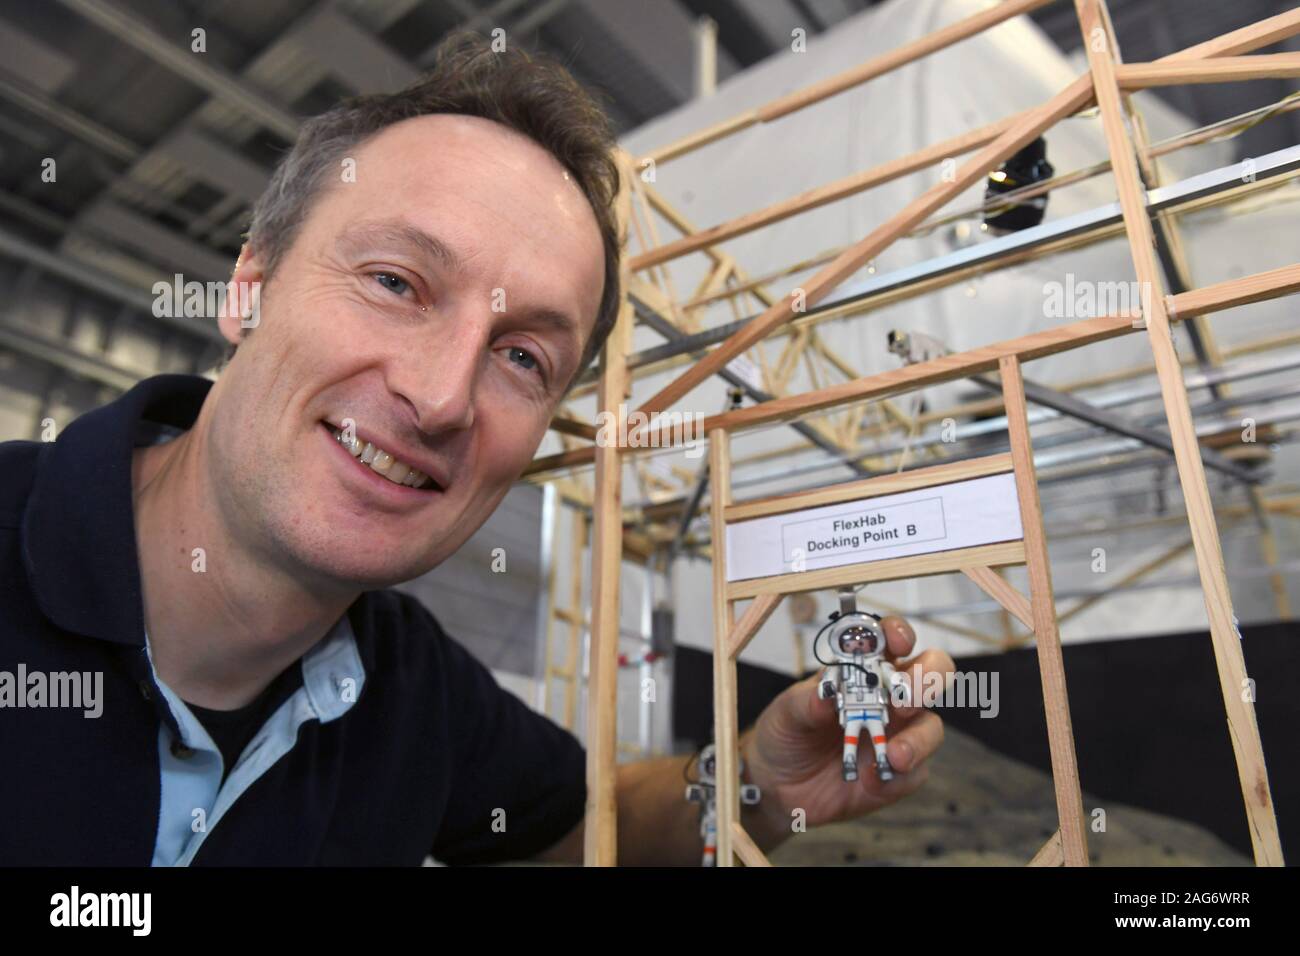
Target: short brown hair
(531,94)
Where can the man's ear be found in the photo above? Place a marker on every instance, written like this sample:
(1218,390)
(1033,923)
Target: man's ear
(242,308)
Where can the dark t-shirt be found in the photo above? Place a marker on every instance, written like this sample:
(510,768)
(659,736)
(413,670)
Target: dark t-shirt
(231,730)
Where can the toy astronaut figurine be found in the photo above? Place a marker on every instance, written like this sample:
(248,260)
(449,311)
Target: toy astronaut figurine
(705,793)
(860,680)
(914,347)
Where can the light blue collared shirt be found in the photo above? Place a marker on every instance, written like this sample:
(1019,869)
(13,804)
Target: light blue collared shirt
(194,799)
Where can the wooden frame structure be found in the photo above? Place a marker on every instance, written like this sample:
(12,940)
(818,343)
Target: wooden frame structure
(1222,59)
(1038,612)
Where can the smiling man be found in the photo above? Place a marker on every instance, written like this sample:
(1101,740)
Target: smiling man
(435,267)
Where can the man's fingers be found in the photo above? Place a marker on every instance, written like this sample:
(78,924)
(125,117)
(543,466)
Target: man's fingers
(916,743)
(920,675)
(899,637)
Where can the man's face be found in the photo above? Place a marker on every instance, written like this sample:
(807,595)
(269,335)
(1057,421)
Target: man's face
(439,304)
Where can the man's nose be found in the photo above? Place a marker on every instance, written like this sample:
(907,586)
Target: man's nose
(440,384)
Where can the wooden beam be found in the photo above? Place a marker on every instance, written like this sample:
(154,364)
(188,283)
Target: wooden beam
(746,848)
(710,134)
(1228,69)
(1255,36)
(1180,63)
(899,56)
(1050,854)
(911,377)
(1000,589)
(1051,664)
(825,194)
(1068,101)
(908,291)
(815,93)
(871,487)
(569,426)
(1243,730)
(1061,338)
(1234,292)
(890,569)
(755,617)
(1212,298)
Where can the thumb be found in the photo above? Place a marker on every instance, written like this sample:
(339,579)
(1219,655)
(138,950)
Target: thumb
(805,711)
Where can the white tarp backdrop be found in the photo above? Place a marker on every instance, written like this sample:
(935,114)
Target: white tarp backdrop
(1007,69)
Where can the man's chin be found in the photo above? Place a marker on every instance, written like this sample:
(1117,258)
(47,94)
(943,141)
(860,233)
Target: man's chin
(363,572)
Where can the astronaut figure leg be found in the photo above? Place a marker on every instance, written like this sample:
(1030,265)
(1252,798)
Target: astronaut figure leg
(852,726)
(876,727)
(710,841)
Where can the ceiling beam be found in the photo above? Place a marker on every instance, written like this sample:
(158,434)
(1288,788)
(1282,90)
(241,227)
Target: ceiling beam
(225,86)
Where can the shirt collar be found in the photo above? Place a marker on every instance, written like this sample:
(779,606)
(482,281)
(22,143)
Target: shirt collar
(79,543)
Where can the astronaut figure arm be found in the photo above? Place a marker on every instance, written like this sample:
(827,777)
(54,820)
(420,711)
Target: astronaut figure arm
(827,686)
(694,793)
(900,687)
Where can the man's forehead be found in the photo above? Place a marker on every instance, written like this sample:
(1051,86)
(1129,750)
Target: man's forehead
(468,160)
(422,141)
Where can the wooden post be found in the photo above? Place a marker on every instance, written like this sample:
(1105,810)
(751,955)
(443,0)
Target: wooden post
(726,735)
(1056,703)
(1180,276)
(1242,727)
(600,835)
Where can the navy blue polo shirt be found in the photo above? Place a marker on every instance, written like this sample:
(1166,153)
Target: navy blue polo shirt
(395,743)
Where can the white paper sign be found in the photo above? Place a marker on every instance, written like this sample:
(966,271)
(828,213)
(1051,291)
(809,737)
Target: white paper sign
(962,514)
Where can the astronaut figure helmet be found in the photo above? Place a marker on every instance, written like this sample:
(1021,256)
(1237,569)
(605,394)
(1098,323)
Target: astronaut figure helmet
(709,765)
(859,636)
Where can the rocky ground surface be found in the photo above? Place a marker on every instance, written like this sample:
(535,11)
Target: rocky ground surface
(980,808)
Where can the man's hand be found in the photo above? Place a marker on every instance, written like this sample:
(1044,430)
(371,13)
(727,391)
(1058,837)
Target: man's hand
(795,750)
(794,754)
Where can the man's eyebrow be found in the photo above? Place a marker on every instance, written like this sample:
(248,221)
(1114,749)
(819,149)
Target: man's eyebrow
(559,321)
(569,329)
(400,233)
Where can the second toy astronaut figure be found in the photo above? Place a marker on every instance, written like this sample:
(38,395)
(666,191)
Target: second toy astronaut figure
(705,793)
(861,682)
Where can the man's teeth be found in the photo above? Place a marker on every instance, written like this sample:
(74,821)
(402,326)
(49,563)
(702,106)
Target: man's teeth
(382,463)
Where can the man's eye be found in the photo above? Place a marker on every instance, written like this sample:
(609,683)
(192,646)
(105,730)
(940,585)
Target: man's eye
(523,357)
(392,283)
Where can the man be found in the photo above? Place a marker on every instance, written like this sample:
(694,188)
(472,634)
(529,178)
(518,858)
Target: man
(435,268)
